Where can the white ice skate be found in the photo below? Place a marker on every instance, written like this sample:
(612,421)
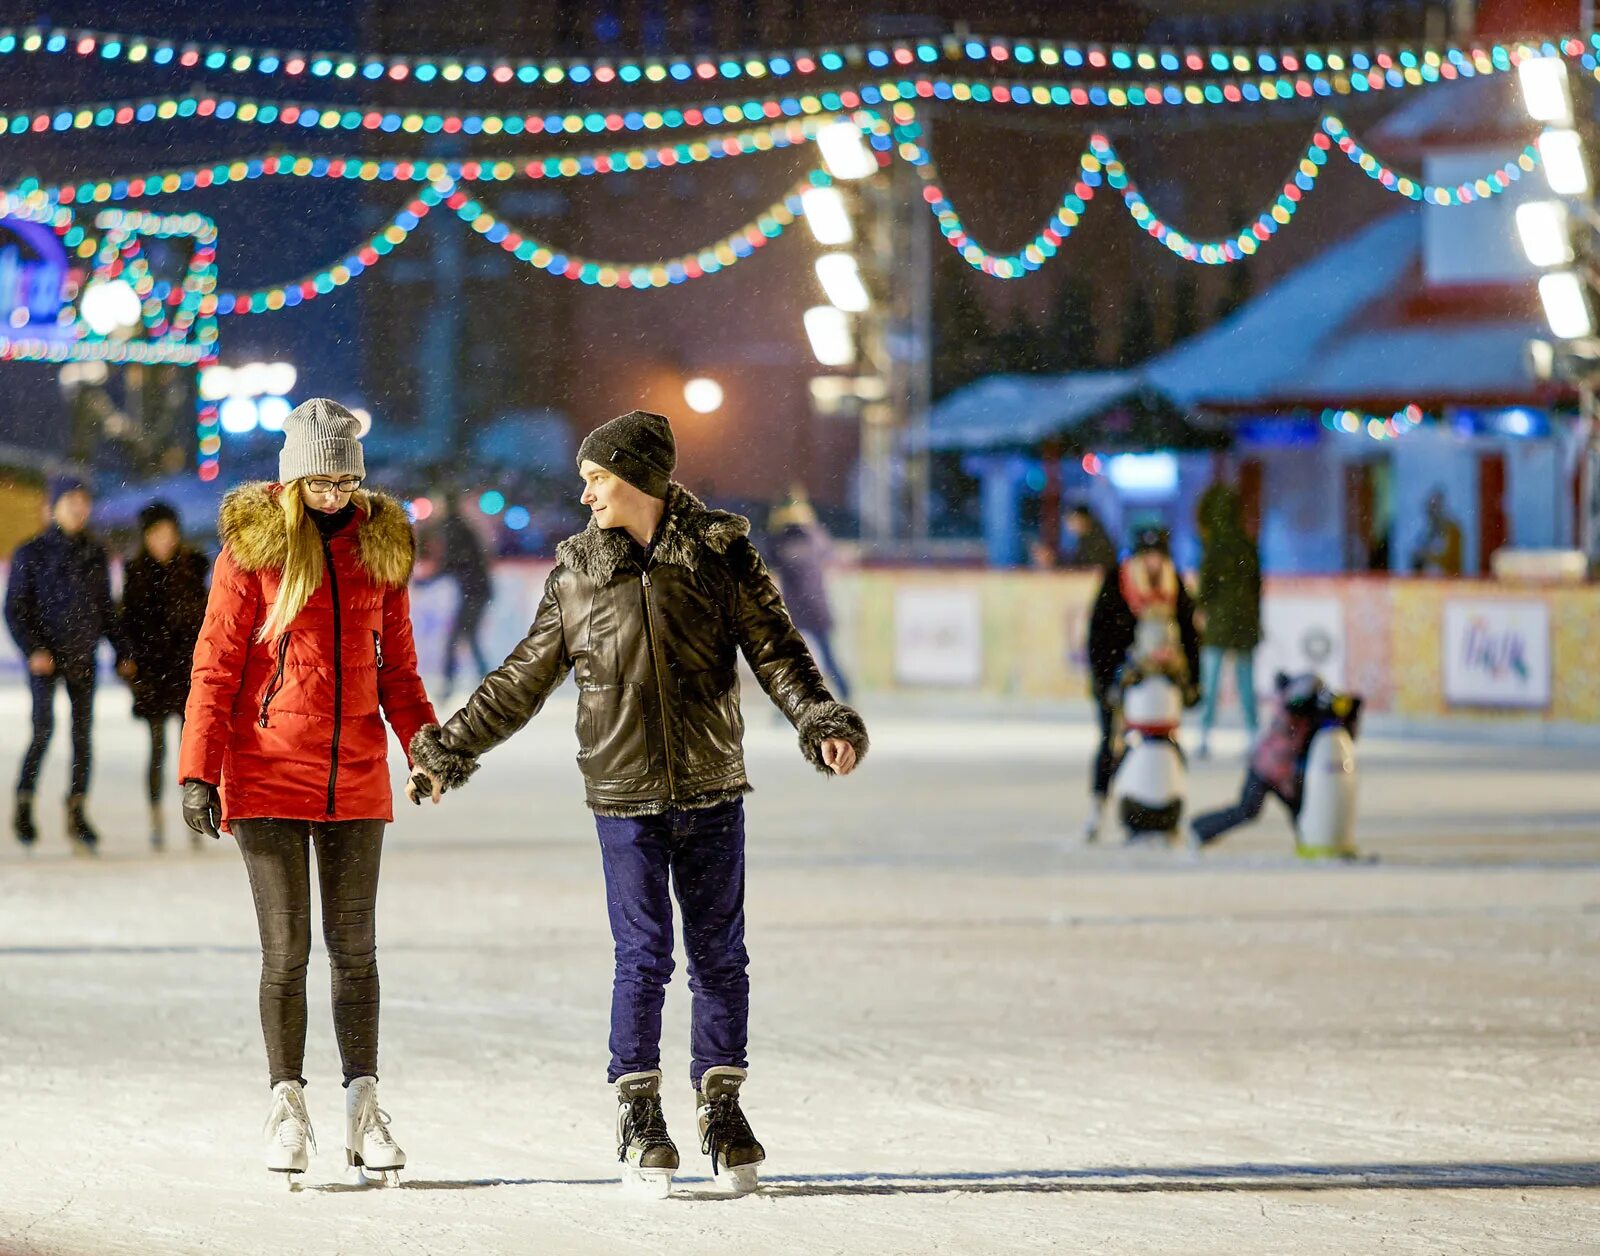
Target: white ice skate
(369,1148)
(288,1133)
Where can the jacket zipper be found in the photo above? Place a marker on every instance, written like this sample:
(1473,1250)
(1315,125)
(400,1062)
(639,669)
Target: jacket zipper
(661,685)
(338,669)
(276,683)
(377,648)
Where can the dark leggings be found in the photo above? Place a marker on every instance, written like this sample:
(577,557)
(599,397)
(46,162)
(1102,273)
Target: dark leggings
(277,858)
(1107,757)
(158,754)
(469,615)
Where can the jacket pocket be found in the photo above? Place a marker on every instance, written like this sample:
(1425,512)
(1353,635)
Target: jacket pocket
(713,726)
(275,685)
(614,743)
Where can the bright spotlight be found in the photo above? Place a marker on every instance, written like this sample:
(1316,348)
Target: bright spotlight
(844,152)
(1565,170)
(1542,228)
(110,305)
(827,216)
(828,329)
(1546,92)
(840,276)
(1566,305)
(702,395)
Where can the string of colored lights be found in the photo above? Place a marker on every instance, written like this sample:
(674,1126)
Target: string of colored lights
(1374,426)
(425,170)
(710,260)
(356,67)
(1491,184)
(1120,95)
(1030,256)
(1101,161)
(335,276)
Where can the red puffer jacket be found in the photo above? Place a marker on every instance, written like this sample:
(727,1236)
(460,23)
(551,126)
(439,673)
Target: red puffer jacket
(290,728)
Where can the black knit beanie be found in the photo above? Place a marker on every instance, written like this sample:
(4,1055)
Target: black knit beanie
(637,447)
(157,512)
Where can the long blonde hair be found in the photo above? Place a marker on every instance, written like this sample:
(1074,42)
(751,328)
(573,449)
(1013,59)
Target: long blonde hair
(302,560)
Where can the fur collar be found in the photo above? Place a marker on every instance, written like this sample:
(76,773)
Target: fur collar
(251,525)
(687,529)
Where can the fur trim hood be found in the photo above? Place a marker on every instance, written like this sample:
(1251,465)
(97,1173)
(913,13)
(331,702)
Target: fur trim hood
(688,528)
(251,525)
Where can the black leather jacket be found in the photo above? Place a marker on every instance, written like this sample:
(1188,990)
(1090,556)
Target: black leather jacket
(654,650)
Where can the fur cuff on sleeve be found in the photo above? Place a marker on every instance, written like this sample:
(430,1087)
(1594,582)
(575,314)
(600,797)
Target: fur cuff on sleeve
(451,767)
(827,720)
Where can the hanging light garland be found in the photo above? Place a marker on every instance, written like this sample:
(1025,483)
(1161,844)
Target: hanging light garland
(1101,163)
(1491,184)
(668,272)
(490,170)
(947,47)
(331,278)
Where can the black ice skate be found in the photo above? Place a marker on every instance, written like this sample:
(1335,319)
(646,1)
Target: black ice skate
(85,841)
(725,1134)
(644,1147)
(22,821)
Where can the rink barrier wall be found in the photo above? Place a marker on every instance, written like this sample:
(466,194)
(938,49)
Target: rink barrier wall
(1022,635)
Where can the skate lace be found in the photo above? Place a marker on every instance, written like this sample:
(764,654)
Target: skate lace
(289,1122)
(725,1125)
(645,1124)
(373,1121)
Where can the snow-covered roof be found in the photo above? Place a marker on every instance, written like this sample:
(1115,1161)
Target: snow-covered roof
(1021,409)
(1275,341)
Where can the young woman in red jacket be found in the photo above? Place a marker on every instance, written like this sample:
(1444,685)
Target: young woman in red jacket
(306,648)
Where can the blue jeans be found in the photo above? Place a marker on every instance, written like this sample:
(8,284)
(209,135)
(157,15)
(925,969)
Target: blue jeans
(701,854)
(79,678)
(1244,682)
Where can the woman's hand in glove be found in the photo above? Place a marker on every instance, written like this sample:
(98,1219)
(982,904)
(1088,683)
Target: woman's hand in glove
(202,807)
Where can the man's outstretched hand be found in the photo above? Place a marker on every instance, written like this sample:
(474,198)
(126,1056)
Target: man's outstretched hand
(839,756)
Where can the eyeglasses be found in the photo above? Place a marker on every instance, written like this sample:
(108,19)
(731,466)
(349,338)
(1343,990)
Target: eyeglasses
(349,484)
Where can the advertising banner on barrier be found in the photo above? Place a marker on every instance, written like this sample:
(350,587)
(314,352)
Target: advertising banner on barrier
(1301,634)
(1496,654)
(938,636)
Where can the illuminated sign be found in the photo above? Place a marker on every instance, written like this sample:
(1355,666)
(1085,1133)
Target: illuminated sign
(33,268)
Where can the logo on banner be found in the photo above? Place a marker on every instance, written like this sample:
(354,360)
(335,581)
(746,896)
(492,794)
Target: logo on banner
(1497,654)
(938,637)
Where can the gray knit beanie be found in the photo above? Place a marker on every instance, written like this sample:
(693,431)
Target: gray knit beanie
(320,438)
(637,447)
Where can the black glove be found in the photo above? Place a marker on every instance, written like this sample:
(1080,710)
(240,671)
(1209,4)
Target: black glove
(422,785)
(202,807)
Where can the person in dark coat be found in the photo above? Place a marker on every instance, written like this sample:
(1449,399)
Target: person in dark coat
(1147,583)
(800,551)
(58,607)
(163,606)
(466,562)
(1092,544)
(649,608)
(1229,598)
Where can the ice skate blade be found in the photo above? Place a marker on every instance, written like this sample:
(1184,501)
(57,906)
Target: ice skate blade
(360,1173)
(295,1178)
(739,1179)
(647,1183)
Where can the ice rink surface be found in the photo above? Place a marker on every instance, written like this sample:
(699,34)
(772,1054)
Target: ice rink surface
(970,1033)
